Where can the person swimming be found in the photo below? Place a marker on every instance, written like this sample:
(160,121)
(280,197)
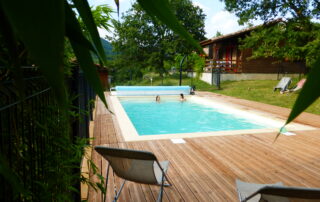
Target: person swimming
(158,98)
(182,99)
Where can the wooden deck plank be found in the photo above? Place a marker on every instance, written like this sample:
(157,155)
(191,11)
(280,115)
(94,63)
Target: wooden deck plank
(205,168)
(297,159)
(249,152)
(92,194)
(187,167)
(172,192)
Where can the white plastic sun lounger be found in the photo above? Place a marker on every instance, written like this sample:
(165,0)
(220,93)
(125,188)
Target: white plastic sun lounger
(283,84)
(299,85)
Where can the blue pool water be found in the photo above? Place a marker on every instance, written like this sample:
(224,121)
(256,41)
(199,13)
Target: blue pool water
(168,117)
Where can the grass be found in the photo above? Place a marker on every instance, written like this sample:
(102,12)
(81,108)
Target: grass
(255,90)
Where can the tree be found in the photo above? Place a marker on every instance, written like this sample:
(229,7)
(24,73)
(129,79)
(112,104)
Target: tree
(218,33)
(147,43)
(301,11)
(102,18)
(192,62)
(285,41)
(294,37)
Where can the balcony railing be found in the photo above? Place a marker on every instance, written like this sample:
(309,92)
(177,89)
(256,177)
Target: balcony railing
(226,66)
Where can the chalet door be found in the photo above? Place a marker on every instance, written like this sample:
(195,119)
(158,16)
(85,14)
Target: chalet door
(231,58)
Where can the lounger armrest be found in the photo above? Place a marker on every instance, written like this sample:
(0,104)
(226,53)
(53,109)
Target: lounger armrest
(290,192)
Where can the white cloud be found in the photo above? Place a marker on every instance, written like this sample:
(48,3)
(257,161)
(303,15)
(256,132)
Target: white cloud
(222,21)
(205,9)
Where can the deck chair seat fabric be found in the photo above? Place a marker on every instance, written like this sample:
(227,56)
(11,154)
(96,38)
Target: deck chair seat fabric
(137,166)
(157,171)
(246,189)
(134,165)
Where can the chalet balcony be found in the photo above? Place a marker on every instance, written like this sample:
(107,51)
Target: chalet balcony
(226,66)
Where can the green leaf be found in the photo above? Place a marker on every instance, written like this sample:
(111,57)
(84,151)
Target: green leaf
(309,93)
(11,178)
(40,26)
(161,10)
(11,43)
(118,6)
(86,15)
(82,52)
(73,30)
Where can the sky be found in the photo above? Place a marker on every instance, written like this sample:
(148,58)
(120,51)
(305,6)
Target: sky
(218,19)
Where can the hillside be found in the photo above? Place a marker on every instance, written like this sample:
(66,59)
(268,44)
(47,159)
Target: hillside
(107,49)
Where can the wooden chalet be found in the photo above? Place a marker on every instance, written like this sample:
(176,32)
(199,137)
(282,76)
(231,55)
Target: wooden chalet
(224,52)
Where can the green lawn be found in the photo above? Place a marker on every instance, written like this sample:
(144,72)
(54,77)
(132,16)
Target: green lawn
(260,91)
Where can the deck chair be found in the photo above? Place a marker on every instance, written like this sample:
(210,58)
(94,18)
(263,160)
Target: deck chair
(299,85)
(283,84)
(274,192)
(136,166)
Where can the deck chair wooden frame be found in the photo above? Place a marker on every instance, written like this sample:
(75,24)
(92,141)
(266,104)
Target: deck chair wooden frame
(274,192)
(128,164)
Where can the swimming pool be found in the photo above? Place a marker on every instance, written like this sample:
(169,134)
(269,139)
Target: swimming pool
(171,116)
(141,118)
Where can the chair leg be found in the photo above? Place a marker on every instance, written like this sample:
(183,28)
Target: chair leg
(169,183)
(106,186)
(119,192)
(161,189)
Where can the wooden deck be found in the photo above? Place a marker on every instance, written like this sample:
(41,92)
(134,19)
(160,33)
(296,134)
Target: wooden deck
(205,169)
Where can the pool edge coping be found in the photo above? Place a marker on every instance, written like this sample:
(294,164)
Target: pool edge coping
(130,134)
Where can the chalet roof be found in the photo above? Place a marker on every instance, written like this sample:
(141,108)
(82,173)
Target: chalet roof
(240,32)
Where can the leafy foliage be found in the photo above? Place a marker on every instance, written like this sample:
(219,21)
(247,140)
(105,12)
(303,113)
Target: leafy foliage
(285,41)
(23,23)
(218,34)
(162,10)
(145,44)
(102,18)
(193,62)
(269,10)
(41,30)
(294,37)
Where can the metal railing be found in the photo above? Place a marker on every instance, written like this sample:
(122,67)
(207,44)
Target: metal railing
(23,121)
